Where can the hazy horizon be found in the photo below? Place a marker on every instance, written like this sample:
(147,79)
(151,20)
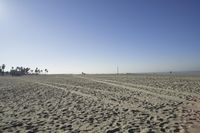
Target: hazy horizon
(68,36)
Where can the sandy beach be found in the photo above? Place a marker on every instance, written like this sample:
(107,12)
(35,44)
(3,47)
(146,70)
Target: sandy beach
(100,103)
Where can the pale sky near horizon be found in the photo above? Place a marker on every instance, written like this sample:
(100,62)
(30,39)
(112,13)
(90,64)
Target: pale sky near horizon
(94,36)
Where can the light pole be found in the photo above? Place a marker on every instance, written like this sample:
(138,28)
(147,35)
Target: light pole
(117,70)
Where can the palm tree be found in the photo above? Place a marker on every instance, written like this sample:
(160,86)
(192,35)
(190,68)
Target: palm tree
(36,70)
(46,71)
(22,70)
(27,70)
(39,71)
(17,68)
(3,68)
(12,71)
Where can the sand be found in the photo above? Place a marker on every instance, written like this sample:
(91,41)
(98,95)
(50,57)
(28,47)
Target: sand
(100,103)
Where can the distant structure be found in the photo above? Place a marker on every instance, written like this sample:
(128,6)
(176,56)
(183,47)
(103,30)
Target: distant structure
(83,73)
(117,70)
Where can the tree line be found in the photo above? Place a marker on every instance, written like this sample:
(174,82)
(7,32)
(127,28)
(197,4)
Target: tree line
(19,71)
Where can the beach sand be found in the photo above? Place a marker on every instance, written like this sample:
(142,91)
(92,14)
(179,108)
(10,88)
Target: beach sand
(145,103)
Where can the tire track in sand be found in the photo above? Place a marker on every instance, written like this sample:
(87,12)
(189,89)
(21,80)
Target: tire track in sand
(137,89)
(155,88)
(106,101)
(134,95)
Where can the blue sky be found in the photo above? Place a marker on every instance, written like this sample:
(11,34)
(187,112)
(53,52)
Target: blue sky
(94,36)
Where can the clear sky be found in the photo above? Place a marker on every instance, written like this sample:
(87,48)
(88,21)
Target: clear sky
(94,36)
